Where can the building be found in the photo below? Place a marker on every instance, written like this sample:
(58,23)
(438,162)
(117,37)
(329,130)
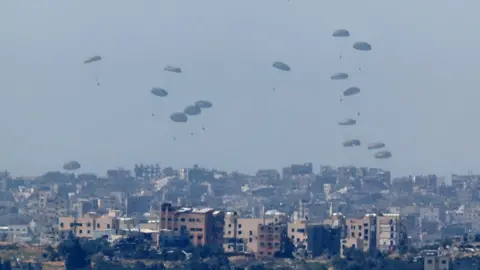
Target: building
(261,236)
(315,212)
(391,232)
(204,226)
(85,226)
(314,239)
(362,231)
(432,260)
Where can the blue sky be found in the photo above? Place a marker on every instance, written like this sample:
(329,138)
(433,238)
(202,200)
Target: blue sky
(419,83)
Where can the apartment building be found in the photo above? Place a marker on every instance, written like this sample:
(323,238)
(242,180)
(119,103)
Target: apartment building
(434,261)
(204,226)
(261,236)
(391,232)
(85,226)
(361,233)
(314,239)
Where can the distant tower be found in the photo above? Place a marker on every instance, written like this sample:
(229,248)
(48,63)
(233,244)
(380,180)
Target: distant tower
(183,175)
(262,214)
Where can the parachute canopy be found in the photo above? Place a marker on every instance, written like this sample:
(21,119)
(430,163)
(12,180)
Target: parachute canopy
(339,76)
(71,166)
(362,46)
(179,117)
(376,145)
(351,91)
(203,104)
(383,155)
(192,110)
(159,92)
(281,66)
(341,33)
(351,143)
(347,122)
(92,59)
(173,69)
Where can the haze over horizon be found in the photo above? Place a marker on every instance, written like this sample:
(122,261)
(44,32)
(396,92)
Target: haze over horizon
(418,84)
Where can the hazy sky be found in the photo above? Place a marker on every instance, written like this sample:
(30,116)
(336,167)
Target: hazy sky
(419,83)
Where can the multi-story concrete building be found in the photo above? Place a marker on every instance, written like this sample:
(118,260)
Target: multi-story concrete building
(432,260)
(391,232)
(363,230)
(315,212)
(85,226)
(314,239)
(261,236)
(204,226)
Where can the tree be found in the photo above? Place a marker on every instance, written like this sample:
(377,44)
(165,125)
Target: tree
(6,265)
(76,256)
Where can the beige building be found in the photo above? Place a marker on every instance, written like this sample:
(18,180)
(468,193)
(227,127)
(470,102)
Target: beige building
(204,226)
(84,226)
(391,232)
(297,233)
(434,261)
(261,236)
(363,230)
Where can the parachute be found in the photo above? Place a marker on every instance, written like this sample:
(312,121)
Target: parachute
(159,92)
(203,104)
(173,69)
(348,122)
(93,59)
(281,66)
(71,166)
(339,76)
(376,145)
(362,46)
(383,155)
(96,70)
(351,143)
(351,91)
(192,110)
(341,33)
(179,117)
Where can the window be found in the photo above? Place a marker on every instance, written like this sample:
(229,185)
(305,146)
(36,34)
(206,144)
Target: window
(229,232)
(80,231)
(251,233)
(239,226)
(250,239)
(71,225)
(98,225)
(239,232)
(88,231)
(444,262)
(229,225)
(61,224)
(89,224)
(429,261)
(182,220)
(108,226)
